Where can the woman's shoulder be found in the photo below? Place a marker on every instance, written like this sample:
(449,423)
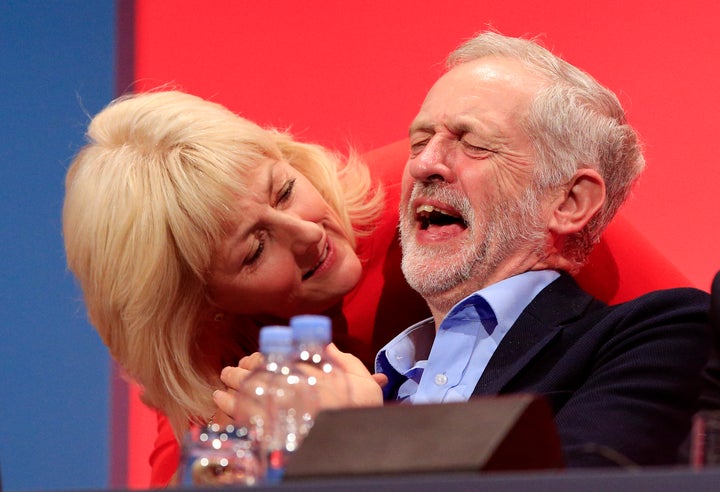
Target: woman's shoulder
(387,163)
(165,457)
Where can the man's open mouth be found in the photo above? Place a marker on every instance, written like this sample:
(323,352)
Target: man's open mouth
(429,216)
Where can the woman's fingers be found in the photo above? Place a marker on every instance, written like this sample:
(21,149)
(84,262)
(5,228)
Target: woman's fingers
(251,361)
(233,377)
(225,401)
(381,379)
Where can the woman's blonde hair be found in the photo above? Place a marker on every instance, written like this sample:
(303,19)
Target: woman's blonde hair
(146,204)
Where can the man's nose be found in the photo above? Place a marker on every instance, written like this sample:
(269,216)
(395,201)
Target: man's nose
(434,162)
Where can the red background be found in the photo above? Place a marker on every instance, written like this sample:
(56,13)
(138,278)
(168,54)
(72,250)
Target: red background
(354,73)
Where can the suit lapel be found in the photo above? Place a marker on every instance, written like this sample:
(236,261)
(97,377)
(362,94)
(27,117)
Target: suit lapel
(559,303)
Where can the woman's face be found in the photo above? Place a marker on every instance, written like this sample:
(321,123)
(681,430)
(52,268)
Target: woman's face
(286,253)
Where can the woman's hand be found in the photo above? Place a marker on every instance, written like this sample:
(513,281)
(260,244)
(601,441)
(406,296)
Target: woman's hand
(358,389)
(365,388)
(233,377)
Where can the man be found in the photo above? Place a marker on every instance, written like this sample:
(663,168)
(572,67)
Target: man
(518,161)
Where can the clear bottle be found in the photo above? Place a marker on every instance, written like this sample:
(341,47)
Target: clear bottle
(276,402)
(311,335)
(215,455)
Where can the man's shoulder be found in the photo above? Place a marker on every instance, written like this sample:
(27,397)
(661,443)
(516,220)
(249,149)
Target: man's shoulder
(564,302)
(669,314)
(677,298)
(676,305)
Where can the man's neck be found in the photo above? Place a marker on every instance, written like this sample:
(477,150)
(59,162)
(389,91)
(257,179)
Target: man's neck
(441,303)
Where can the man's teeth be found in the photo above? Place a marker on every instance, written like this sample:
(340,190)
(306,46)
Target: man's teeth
(428,209)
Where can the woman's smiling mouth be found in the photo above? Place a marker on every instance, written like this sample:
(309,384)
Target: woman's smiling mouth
(319,263)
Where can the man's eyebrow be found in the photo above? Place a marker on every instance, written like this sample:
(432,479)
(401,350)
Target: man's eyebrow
(462,127)
(457,128)
(421,126)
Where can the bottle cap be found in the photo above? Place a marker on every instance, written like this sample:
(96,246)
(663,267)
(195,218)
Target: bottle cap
(311,328)
(276,339)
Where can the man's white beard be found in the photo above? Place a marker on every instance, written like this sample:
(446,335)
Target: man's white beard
(493,235)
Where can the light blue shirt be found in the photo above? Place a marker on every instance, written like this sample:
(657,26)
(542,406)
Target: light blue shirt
(445,366)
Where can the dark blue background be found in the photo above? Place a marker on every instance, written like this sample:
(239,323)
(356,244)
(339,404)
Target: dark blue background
(56,67)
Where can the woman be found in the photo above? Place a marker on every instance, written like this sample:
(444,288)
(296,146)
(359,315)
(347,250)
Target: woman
(189,228)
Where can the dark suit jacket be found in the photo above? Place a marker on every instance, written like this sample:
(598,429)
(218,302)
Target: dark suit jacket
(623,380)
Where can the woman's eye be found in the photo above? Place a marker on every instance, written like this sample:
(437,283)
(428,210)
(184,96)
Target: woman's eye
(285,192)
(257,252)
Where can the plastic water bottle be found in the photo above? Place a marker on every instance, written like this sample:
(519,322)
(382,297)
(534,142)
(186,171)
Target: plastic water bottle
(276,402)
(311,335)
(215,455)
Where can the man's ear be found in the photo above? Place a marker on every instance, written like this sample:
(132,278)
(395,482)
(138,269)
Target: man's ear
(580,200)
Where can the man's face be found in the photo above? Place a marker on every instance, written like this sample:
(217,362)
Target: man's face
(468,215)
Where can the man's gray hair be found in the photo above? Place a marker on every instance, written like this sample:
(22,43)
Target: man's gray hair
(572,123)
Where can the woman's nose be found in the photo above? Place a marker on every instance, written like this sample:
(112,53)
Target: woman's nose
(304,237)
(433,162)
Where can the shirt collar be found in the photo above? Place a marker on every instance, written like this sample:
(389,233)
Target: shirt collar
(509,297)
(504,300)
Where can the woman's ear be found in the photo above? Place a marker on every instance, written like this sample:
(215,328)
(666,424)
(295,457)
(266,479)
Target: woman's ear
(580,200)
